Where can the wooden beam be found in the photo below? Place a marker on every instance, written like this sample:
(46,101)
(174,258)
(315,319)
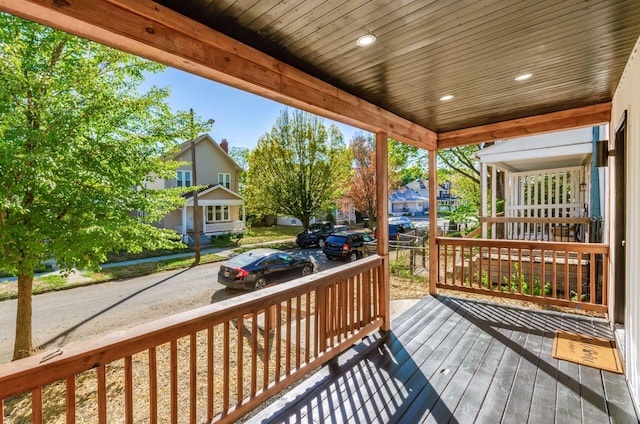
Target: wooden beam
(148,29)
(539,124)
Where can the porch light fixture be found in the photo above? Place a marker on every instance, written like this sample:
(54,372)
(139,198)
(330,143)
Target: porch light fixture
(446,98)
(523,77)
(366,40)
(583,186)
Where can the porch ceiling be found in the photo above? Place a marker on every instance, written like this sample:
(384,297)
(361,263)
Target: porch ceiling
(425,49)
(304,53)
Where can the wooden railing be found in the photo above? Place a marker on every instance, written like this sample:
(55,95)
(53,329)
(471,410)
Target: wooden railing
(541,229)
(563,274)
(212,363)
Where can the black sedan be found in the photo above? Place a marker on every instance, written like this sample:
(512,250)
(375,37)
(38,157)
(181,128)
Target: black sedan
(256,268)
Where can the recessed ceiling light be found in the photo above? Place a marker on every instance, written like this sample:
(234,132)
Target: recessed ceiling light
(523,77)
(446,98)
(366,40)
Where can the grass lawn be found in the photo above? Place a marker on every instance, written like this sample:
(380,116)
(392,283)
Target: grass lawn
(264,234)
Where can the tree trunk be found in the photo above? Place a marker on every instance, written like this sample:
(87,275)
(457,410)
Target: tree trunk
(23,346)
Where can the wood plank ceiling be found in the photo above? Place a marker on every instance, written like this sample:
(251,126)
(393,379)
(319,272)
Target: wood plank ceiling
(425,49)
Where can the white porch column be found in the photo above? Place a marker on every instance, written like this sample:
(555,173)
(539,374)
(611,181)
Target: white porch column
(184,220)
(494,195)
(203,218)
(483,198)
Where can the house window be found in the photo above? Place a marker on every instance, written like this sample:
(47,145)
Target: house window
(184,179)
(224,180)
(217,213)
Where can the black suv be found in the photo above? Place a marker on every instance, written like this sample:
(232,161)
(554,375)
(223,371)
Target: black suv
(349,246)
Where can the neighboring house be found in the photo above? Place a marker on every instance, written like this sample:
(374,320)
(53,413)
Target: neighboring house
(406,201)
(222,209)
(551,176)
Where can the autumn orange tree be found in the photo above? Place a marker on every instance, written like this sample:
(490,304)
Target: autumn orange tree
(363,184)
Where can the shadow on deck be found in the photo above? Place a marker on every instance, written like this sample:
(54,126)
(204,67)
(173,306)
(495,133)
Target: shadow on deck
(455,360)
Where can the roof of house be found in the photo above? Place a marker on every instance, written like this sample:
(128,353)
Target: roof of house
(563,149)
(406,195)
(186,146)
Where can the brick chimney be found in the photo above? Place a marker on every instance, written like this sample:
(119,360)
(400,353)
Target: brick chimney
(224,145)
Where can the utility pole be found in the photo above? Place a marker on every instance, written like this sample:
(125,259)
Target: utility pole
(194,182)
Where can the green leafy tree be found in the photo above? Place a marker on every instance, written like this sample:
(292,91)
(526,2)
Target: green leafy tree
(298,169)
(241,156)
(78,147)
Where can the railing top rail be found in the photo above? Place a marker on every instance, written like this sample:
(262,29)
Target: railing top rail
(525,244)
(25,374)
(534,220)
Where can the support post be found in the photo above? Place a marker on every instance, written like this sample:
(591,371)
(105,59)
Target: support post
(382,223)
(494,196)
(433,223)
(483,198)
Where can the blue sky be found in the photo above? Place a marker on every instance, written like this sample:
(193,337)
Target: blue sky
(240,117)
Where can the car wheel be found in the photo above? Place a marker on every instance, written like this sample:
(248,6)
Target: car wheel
(321,242)
(353,256)
(307,270)
(329,257)
(260,283)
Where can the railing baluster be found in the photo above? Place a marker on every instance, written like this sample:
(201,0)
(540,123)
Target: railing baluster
(102,394)
(2,411)
(278,338)
(173,355)
(239,361)
(592,279)
(566,275)
(288,340)
(298,331)
(210,372)
(307,321)
(543,273)
(531,262)
(193,382)
(254,353)
(128,389)
(153,387)
(579,276)
(268,312)
(70,400)
(36,405)
(554,274)
(225,370)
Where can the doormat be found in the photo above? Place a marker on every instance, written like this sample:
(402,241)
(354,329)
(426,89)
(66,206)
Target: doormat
(585,350)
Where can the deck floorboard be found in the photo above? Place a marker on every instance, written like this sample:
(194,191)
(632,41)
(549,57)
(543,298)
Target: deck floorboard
(460,361)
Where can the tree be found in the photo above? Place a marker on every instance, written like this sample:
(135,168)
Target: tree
(78,147)
(241,156)
(298,169)
(363,184)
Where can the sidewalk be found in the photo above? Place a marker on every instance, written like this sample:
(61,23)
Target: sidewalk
(76,276)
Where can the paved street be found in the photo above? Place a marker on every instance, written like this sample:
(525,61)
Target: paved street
(63,317)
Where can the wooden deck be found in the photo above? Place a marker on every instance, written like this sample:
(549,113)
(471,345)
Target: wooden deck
(449,360)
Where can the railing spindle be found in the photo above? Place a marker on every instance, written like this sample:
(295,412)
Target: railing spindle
(70,400)
(307,350)
(210,372)
(298,331)
(193,382)
(102,394)
(173,354)
(254,353)
(128,389)
(239,361)
(153,387)
(36,405)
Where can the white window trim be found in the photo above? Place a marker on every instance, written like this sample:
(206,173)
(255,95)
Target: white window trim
(224,178)
(181,178)
(211,213)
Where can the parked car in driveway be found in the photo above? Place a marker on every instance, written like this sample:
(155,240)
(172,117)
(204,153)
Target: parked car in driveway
(399,228)
(317,233)
(257,268)
(346,245)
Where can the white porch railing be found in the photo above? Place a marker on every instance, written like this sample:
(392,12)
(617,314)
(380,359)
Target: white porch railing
(224,227)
